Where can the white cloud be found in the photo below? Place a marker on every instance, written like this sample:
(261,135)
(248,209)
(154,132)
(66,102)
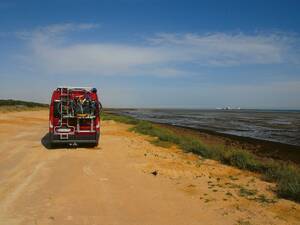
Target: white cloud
(162,54)
(227,49)
(105,59)
(61,28)
(54,30)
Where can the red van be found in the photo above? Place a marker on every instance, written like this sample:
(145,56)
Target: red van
(74,116)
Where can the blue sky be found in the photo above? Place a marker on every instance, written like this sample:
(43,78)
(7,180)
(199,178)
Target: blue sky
(138,53)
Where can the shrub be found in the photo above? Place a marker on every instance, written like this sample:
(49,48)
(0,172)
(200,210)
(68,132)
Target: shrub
(241,159)
(289,188)
(195,146)
(287,177)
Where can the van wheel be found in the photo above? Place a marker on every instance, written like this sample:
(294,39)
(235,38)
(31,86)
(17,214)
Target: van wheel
(93,145)
(50,145)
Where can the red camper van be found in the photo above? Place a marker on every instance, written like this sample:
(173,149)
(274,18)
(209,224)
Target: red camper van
(74,116)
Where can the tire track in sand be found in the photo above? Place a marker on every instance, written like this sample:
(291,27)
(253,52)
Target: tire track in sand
(12,196)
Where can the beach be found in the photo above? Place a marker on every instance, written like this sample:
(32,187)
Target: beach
(125,180)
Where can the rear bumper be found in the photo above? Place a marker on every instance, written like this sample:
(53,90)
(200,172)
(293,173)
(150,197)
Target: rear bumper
(79,139)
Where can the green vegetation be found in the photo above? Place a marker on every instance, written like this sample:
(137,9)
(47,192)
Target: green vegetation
(243,222)
(244,192)
(16,105)
(286,175)
(251,194)
(121,119)
(164,144)
(264,199)
(10,102)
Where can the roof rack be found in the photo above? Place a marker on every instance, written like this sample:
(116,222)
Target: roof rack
(76,88)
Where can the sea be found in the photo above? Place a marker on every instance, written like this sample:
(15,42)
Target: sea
(273,125)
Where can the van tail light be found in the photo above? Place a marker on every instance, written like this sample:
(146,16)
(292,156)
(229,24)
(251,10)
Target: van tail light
(97,123)
(50,126)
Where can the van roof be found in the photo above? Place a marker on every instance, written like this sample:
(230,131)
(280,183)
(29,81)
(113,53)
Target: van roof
(72,88)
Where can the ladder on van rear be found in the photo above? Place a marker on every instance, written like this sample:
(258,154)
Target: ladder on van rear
(64,105)
(65,112)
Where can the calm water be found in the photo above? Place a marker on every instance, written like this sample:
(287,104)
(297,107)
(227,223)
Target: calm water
(274,125)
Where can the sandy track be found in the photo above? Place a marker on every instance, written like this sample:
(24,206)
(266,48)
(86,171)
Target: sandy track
(113,183)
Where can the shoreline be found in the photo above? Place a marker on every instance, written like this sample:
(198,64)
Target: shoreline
(262,148)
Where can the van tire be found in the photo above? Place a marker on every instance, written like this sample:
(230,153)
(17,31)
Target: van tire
(50,143)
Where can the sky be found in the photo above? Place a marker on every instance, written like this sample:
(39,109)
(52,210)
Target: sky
(154,53)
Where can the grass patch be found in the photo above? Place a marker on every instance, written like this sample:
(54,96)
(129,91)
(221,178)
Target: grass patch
(11,102)
(121,119)
(243,222)
(286,175)
(263,199)
(7,109)
(240,159)
(244,192)
(164,144)
(10,105)
(150,129)
(251,194)
(233,177)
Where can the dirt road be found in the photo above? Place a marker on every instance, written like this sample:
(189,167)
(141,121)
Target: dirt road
(125,180)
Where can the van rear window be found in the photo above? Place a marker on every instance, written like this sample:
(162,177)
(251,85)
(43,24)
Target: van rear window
(56,109)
